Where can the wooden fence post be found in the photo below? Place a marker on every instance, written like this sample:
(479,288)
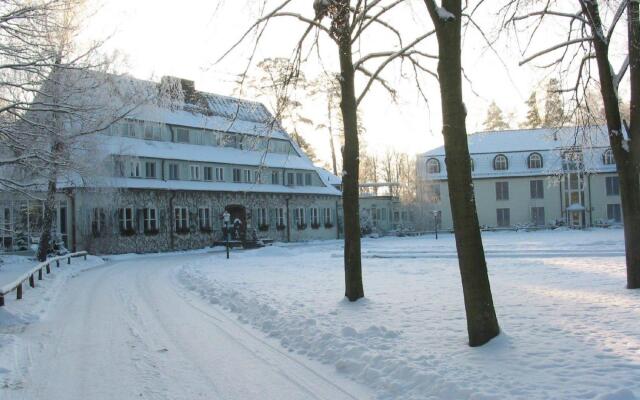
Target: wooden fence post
(85,256)
(40,274)
(19,291)
(58,263)
(1,300)
(69,260)
(32,282)
(48,269)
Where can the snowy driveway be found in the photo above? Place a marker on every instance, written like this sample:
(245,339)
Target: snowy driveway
(128,330)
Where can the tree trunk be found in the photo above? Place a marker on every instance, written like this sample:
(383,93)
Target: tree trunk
(331,142)
(482,323)
(350,160)
(626,166)
(47,223)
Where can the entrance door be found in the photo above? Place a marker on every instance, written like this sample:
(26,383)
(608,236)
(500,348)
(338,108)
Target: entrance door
(576,219)
(238,220)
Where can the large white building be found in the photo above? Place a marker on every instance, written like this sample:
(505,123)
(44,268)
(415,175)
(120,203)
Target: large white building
(539,177)
(163,176)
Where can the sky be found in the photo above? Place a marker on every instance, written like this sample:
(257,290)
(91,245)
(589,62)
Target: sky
(186,38)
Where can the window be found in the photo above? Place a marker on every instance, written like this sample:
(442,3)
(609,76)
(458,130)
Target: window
(614,212)
(307,179)
(150,220)
(181,219)
(182,135)
(280,217)
(537,189)
(237,175)
(134,169)
(118,168)
(502,190)
(174,173)
(150,169)
(613,185)
(473,165)
(433,193)
(607,157)
(290,179)
(263,218)
(152,131)
(257,176)
(219,174)
(247,175)
(128,128)
(315,217)
(195,172)
(433,166)
(98,221)
(299,178)
(125,219)
(275,178)
(534,161)
(572,160)
(503,216)
(328,215)
(298,218)
(500,162)
(537,216)
(204,218)
(207,173)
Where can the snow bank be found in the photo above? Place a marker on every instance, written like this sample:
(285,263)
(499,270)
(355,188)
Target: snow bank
(570,328)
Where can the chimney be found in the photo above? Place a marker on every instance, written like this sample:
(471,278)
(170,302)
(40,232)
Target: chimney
(187,87)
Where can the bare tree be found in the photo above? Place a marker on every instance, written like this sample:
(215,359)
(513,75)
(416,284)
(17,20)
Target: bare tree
(267,83)
(585,52)
(66,96)
(482,323)
(348,25)
(327,87)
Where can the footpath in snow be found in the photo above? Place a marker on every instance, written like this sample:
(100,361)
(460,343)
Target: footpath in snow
(128,330)
(570,328)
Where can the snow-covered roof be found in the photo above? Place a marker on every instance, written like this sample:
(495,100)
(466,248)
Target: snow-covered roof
(136,183)
(200,153)
(528,140)
(328,178)
(518,145)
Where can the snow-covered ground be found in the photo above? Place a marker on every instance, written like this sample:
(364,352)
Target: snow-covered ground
(272,324)
(570,328)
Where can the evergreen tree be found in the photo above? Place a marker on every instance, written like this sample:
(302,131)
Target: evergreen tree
(495,120)
(533,115)
(553,106)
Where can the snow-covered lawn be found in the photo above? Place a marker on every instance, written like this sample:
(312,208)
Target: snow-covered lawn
(570,329)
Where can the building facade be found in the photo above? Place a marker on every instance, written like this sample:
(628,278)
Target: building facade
(539,177)
(163,176)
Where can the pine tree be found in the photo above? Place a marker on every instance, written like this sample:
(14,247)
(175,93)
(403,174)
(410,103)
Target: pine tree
(495,120)
(553,106)
(533,115)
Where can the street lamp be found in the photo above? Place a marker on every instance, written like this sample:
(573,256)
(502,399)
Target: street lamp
(226,218)
(436,219)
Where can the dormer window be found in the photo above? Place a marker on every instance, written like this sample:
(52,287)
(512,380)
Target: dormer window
(607,157)
(433,166)
(534,161)
(500,163)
